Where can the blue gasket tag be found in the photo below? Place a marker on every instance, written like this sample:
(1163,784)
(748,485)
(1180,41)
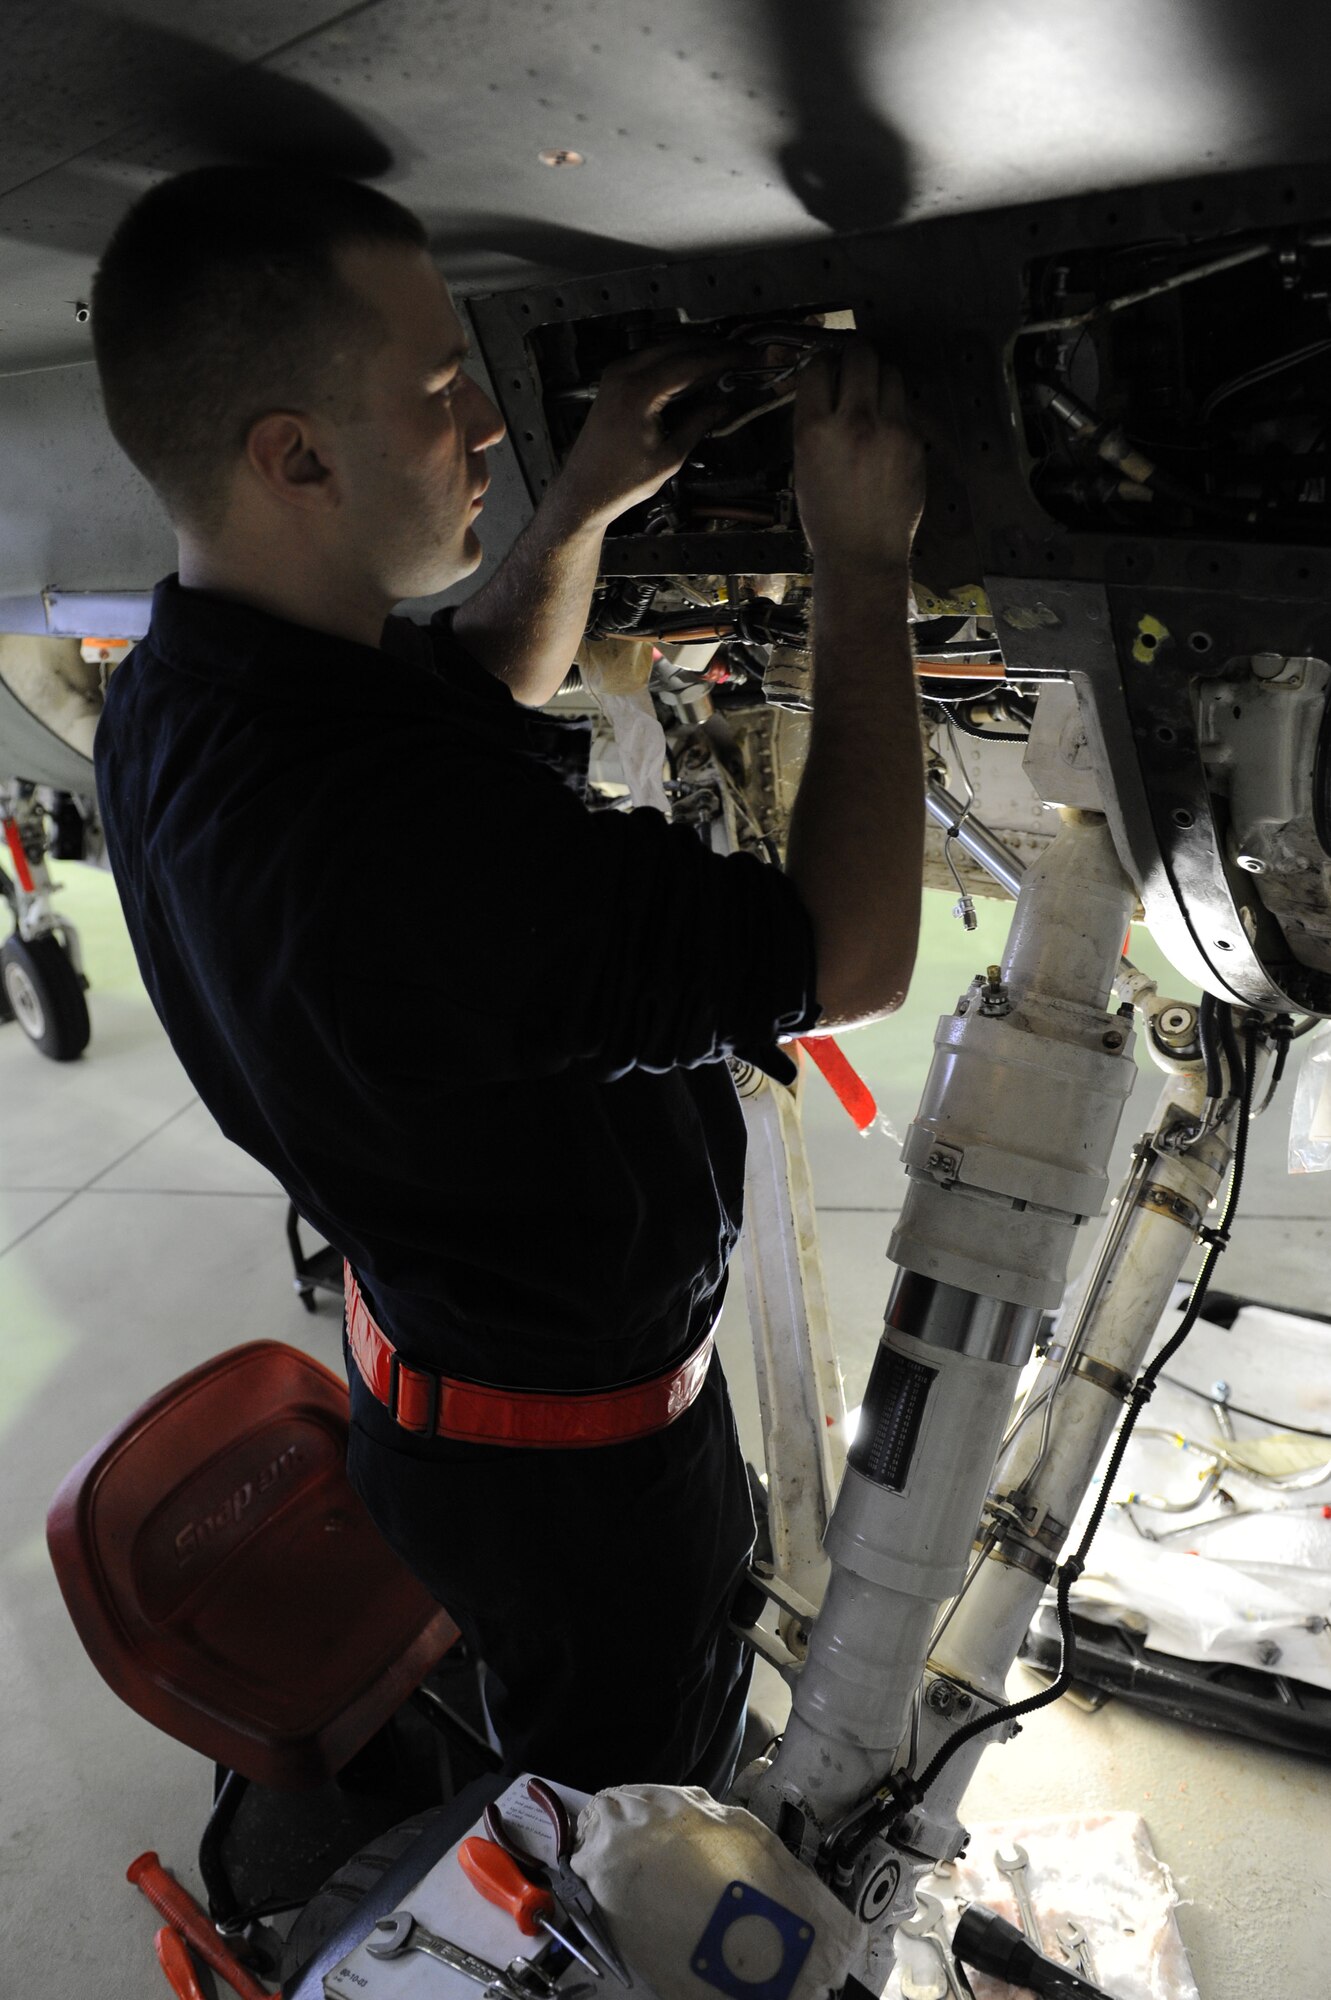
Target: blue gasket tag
(707,1959)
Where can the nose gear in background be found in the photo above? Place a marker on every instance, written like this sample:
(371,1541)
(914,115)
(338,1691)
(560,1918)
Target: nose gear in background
(42,983)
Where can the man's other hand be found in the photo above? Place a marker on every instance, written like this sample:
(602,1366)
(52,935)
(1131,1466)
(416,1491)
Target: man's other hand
(859,468)
(650,411)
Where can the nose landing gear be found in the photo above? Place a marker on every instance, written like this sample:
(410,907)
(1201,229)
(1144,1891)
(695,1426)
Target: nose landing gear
(41,972)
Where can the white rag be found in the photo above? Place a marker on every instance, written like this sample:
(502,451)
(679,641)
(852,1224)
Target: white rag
(663,1863)
(616,672)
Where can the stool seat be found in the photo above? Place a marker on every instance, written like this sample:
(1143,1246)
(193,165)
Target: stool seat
(228,1583)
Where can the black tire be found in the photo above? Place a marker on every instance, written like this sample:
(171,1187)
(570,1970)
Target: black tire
(45,994)
(328,1911)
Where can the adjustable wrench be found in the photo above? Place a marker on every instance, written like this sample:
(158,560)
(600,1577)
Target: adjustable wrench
(1015,1870)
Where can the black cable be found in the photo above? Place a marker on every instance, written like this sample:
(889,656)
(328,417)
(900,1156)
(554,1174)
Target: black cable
(1262,373)
(1206,1036)
(1284,1033)
(953,712)
(909,1794)
(1229,1042)
(742,656)
(1237,1409)
(624,607)
(969,728)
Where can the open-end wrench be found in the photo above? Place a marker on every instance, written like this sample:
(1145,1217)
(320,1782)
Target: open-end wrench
(1015,1870)
(1076,1947)
(927,1924)
(399,1933)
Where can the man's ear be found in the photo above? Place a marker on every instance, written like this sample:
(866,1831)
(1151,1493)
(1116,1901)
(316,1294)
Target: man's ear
(283,449)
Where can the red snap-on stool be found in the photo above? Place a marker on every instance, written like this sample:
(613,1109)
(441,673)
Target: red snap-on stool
(229,1585)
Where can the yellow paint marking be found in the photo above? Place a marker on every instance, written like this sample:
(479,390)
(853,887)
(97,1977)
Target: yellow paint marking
(1150,632)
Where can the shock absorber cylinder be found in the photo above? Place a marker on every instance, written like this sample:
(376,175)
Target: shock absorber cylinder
(1007,1155)
(1045,1467)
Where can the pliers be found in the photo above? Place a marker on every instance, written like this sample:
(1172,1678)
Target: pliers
(569,1889)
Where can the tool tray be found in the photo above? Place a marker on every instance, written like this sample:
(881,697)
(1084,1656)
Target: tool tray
(444,1901)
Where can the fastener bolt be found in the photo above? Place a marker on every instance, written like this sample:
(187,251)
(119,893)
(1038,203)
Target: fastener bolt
(1113,1040)
(1220,1392)
(1177,1021)
(1252,863)
(1268,1653)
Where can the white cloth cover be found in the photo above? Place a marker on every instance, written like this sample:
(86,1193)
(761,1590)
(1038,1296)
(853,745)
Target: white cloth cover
(659,1859)
(1098,1869)
(617,672)
(1246,1578)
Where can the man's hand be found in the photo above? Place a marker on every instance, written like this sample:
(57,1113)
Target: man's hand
(859,468)
(650,411)
(525,624)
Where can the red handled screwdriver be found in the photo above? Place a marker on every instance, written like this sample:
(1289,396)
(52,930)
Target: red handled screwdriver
(499,1879)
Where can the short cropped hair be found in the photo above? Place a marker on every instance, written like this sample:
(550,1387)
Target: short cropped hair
(219,298)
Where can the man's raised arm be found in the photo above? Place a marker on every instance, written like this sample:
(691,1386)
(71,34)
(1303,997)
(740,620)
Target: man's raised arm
(857,831)
(856,845)
(527,622)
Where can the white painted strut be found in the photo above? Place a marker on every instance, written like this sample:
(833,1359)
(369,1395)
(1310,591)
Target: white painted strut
(1008,1155)
(799,1383)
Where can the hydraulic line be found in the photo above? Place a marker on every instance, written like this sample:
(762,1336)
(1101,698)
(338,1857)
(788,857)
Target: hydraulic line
(1230,261)
(1238,1410)
(1072,1566)
(976,1643)
(1206,1035)
(984,847)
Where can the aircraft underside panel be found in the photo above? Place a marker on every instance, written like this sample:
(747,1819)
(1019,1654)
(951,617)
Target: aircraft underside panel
(1127,405)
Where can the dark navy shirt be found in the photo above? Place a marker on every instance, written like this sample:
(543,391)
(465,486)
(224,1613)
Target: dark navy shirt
(476,1030)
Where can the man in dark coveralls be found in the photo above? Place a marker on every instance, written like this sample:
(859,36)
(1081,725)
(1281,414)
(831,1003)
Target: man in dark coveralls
(476,1031)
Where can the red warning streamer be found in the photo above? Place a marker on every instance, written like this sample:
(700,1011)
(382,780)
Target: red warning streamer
(20,859)
(856,1098)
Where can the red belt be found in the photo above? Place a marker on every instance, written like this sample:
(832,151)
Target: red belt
(433,1405)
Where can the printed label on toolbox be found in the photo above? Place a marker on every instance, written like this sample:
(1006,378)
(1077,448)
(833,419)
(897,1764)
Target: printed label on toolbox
(445,1902)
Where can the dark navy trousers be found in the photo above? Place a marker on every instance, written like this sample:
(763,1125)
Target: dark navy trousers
(597,1585)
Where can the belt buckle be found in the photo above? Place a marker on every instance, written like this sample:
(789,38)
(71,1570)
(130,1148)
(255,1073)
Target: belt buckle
(430,1427)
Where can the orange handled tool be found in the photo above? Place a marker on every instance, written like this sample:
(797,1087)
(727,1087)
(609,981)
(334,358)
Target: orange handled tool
(175,1961)
(184,1915)
(499,1879)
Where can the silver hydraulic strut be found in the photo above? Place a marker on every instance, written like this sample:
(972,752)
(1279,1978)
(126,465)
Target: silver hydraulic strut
(1007,1155)
(1056,1441)
(1049,1456)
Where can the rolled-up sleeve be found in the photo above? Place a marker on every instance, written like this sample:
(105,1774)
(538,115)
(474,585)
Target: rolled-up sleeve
(547,935)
